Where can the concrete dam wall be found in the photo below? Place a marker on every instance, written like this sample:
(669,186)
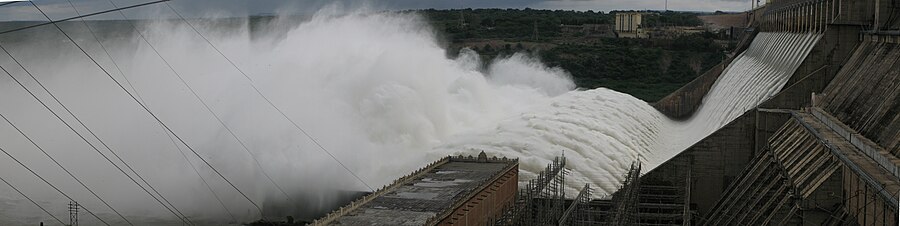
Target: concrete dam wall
(608,131)
(866,94)
(803,159)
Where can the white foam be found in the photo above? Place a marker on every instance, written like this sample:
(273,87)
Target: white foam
(603,131)
(375,89)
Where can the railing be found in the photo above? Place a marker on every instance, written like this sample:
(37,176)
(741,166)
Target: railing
(872,150)
(802,16)
(837,152)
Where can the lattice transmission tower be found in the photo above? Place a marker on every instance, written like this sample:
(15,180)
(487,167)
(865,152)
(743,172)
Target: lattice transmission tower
(73,213)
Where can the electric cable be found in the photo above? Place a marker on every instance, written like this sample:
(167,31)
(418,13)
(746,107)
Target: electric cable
(205,105)
(295,124)
(178,212)
(233,218)
(82,16)
(180,151)
(64,122)
(31,200)
(51,185)
(87,128)
(145,108)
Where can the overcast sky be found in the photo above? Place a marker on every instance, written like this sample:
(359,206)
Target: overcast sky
(61,8)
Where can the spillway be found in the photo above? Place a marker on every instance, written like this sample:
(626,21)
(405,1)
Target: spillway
(376,90)
(602,131)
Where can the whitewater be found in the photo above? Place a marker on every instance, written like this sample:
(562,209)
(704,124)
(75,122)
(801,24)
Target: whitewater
(602,132)
(377,90)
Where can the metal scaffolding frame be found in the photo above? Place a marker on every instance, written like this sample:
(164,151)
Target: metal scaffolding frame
(627,200)
(577,213)
(542,200)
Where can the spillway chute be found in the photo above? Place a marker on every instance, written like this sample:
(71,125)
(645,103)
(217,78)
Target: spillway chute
(602,131)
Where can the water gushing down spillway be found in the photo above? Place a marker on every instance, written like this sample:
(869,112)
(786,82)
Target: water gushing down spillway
(376,90)
(602,131)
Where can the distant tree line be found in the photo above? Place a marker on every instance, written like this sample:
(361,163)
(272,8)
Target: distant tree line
(646,68)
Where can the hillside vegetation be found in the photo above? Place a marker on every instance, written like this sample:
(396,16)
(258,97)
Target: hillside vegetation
(645,68)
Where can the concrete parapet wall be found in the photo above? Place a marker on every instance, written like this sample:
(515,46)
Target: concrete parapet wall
(682,103)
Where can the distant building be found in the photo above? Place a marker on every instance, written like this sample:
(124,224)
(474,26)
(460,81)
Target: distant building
(452,191)
(630,25)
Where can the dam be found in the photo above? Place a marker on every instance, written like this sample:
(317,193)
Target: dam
(798,127)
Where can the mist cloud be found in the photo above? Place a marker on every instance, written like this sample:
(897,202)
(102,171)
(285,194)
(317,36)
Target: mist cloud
(375,89)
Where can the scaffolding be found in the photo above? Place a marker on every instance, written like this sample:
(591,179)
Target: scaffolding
(636,202)
(542,200)
(626,200)
(577,214)
(640,201)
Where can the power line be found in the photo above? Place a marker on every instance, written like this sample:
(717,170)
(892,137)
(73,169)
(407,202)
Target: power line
(180,151)
(64,122)
(201,177)
(150,112)
(82,16)
(89,130)
(31,200)
(267,99)
(205,105)
(120,159)
(48,183)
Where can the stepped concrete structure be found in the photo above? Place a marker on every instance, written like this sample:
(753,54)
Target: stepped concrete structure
(452,191)
(824,150)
